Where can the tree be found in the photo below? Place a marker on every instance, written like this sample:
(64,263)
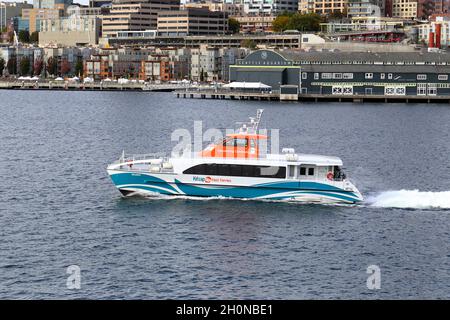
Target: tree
(337,15)
(201,75)
(427,8)
(25,66)
(79,67)
(37,67)
(2,66)
(233,25)
(34,37)
(280,23)
(52,66)
(305,22)
(12,65)
(248,43)
(24,36)
(65,67)
(131,69)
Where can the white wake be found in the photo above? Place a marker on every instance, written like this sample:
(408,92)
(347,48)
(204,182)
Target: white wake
(413,199)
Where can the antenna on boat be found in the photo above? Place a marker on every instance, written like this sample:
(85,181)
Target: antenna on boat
(252,126)
(259,113)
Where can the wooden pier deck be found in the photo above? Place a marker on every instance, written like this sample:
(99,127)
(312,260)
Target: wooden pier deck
(275,96)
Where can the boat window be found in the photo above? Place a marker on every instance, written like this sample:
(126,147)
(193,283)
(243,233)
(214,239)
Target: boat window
(302,171)
(248,171)
(270,172)
(229,142)
(241,142)
(211,169)
(235,142)
(310,171)
(235,170)
(223,170)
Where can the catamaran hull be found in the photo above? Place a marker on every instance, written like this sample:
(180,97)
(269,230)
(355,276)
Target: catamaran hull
(170,184)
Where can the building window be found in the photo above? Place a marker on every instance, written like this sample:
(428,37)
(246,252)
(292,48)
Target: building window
(326,75)
(421,77)
(337,75)
(421,89)
(382,76)
(443,77)
(432,89)
(369,76)
(347,75)
(316,76)
(390,76)
(304,75)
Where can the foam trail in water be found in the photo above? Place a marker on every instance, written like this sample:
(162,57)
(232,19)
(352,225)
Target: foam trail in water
(413,199)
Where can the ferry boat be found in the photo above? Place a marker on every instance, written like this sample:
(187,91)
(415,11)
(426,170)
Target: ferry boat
(234,167)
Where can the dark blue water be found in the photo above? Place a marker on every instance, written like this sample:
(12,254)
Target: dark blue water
(59,208)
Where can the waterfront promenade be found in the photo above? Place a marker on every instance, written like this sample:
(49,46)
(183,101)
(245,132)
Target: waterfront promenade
(92,86)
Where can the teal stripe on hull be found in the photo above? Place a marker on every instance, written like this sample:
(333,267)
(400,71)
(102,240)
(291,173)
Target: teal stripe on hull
(273,191)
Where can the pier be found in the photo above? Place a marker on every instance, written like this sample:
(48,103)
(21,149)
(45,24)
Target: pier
(89,86)
(275,96)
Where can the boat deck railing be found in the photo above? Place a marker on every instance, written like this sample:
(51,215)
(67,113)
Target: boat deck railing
(138,157)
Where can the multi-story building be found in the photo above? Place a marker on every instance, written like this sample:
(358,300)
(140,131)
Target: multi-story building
(9,10)
(404,9)
(192,22)
(135,15)
(51,4)
(75,30)
(322,6)
(87,11)
(249,24)
(425,30)
(99,3)
(233,9)
(205,64)
(97,67)
(66,57)
(269,7)
(34,16)
(366,8)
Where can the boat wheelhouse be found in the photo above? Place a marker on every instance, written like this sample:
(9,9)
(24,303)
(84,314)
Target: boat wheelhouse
(236,167)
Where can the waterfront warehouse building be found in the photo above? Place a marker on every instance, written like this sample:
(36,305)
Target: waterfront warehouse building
(266,66)
(348,73)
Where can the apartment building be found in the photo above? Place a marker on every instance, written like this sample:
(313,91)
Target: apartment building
(75,30)
(250,24)
(9,10)
(135,15)
(367,8)
(192,22)
(322,6)
(33,17)
(404,9)
(233,9)
(269,7)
